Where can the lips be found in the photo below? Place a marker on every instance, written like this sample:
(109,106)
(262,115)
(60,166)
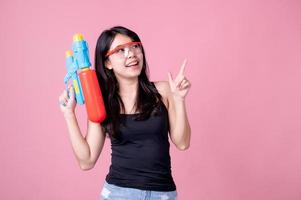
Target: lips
(132,63)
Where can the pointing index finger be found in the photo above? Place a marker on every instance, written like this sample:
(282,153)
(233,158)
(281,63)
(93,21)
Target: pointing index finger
(183,67)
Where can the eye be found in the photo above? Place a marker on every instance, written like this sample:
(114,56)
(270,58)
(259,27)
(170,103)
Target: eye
(135,46)
(120,50)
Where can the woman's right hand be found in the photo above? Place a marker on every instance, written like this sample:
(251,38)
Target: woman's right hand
(67,105)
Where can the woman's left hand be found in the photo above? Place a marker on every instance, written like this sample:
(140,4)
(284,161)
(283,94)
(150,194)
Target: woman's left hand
(180,85)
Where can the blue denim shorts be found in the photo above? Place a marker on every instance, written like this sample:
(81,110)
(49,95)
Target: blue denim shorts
(113,192)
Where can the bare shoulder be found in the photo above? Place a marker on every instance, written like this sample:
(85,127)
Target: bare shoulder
(164,90)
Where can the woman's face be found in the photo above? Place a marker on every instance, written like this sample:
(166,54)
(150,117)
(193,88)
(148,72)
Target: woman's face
(126,58)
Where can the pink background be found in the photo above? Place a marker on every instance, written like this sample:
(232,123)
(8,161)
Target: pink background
(244,104)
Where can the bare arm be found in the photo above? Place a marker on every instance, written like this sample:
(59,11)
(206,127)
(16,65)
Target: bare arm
(180,131)
(174,92)
(86,149)
(179,125)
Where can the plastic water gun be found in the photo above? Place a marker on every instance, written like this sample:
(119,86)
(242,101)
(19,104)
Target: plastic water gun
(84,79)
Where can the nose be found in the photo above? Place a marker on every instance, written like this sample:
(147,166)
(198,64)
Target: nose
(130,53)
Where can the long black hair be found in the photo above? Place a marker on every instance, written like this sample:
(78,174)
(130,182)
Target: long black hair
(148,99)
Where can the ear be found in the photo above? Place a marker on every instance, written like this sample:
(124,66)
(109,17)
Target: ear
(108,64)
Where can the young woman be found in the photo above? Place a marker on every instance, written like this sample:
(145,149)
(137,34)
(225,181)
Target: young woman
(140,116)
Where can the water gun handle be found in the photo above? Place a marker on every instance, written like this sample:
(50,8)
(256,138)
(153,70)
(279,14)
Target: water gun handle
(79,97)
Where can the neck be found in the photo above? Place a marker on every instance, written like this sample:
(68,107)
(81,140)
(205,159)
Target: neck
(128,87)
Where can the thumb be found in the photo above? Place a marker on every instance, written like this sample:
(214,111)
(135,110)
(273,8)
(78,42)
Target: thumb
(71,92)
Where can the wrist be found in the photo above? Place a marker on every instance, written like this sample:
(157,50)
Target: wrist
(68,115)
(179,99)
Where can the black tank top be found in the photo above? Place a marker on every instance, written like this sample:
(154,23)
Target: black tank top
(140,155)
